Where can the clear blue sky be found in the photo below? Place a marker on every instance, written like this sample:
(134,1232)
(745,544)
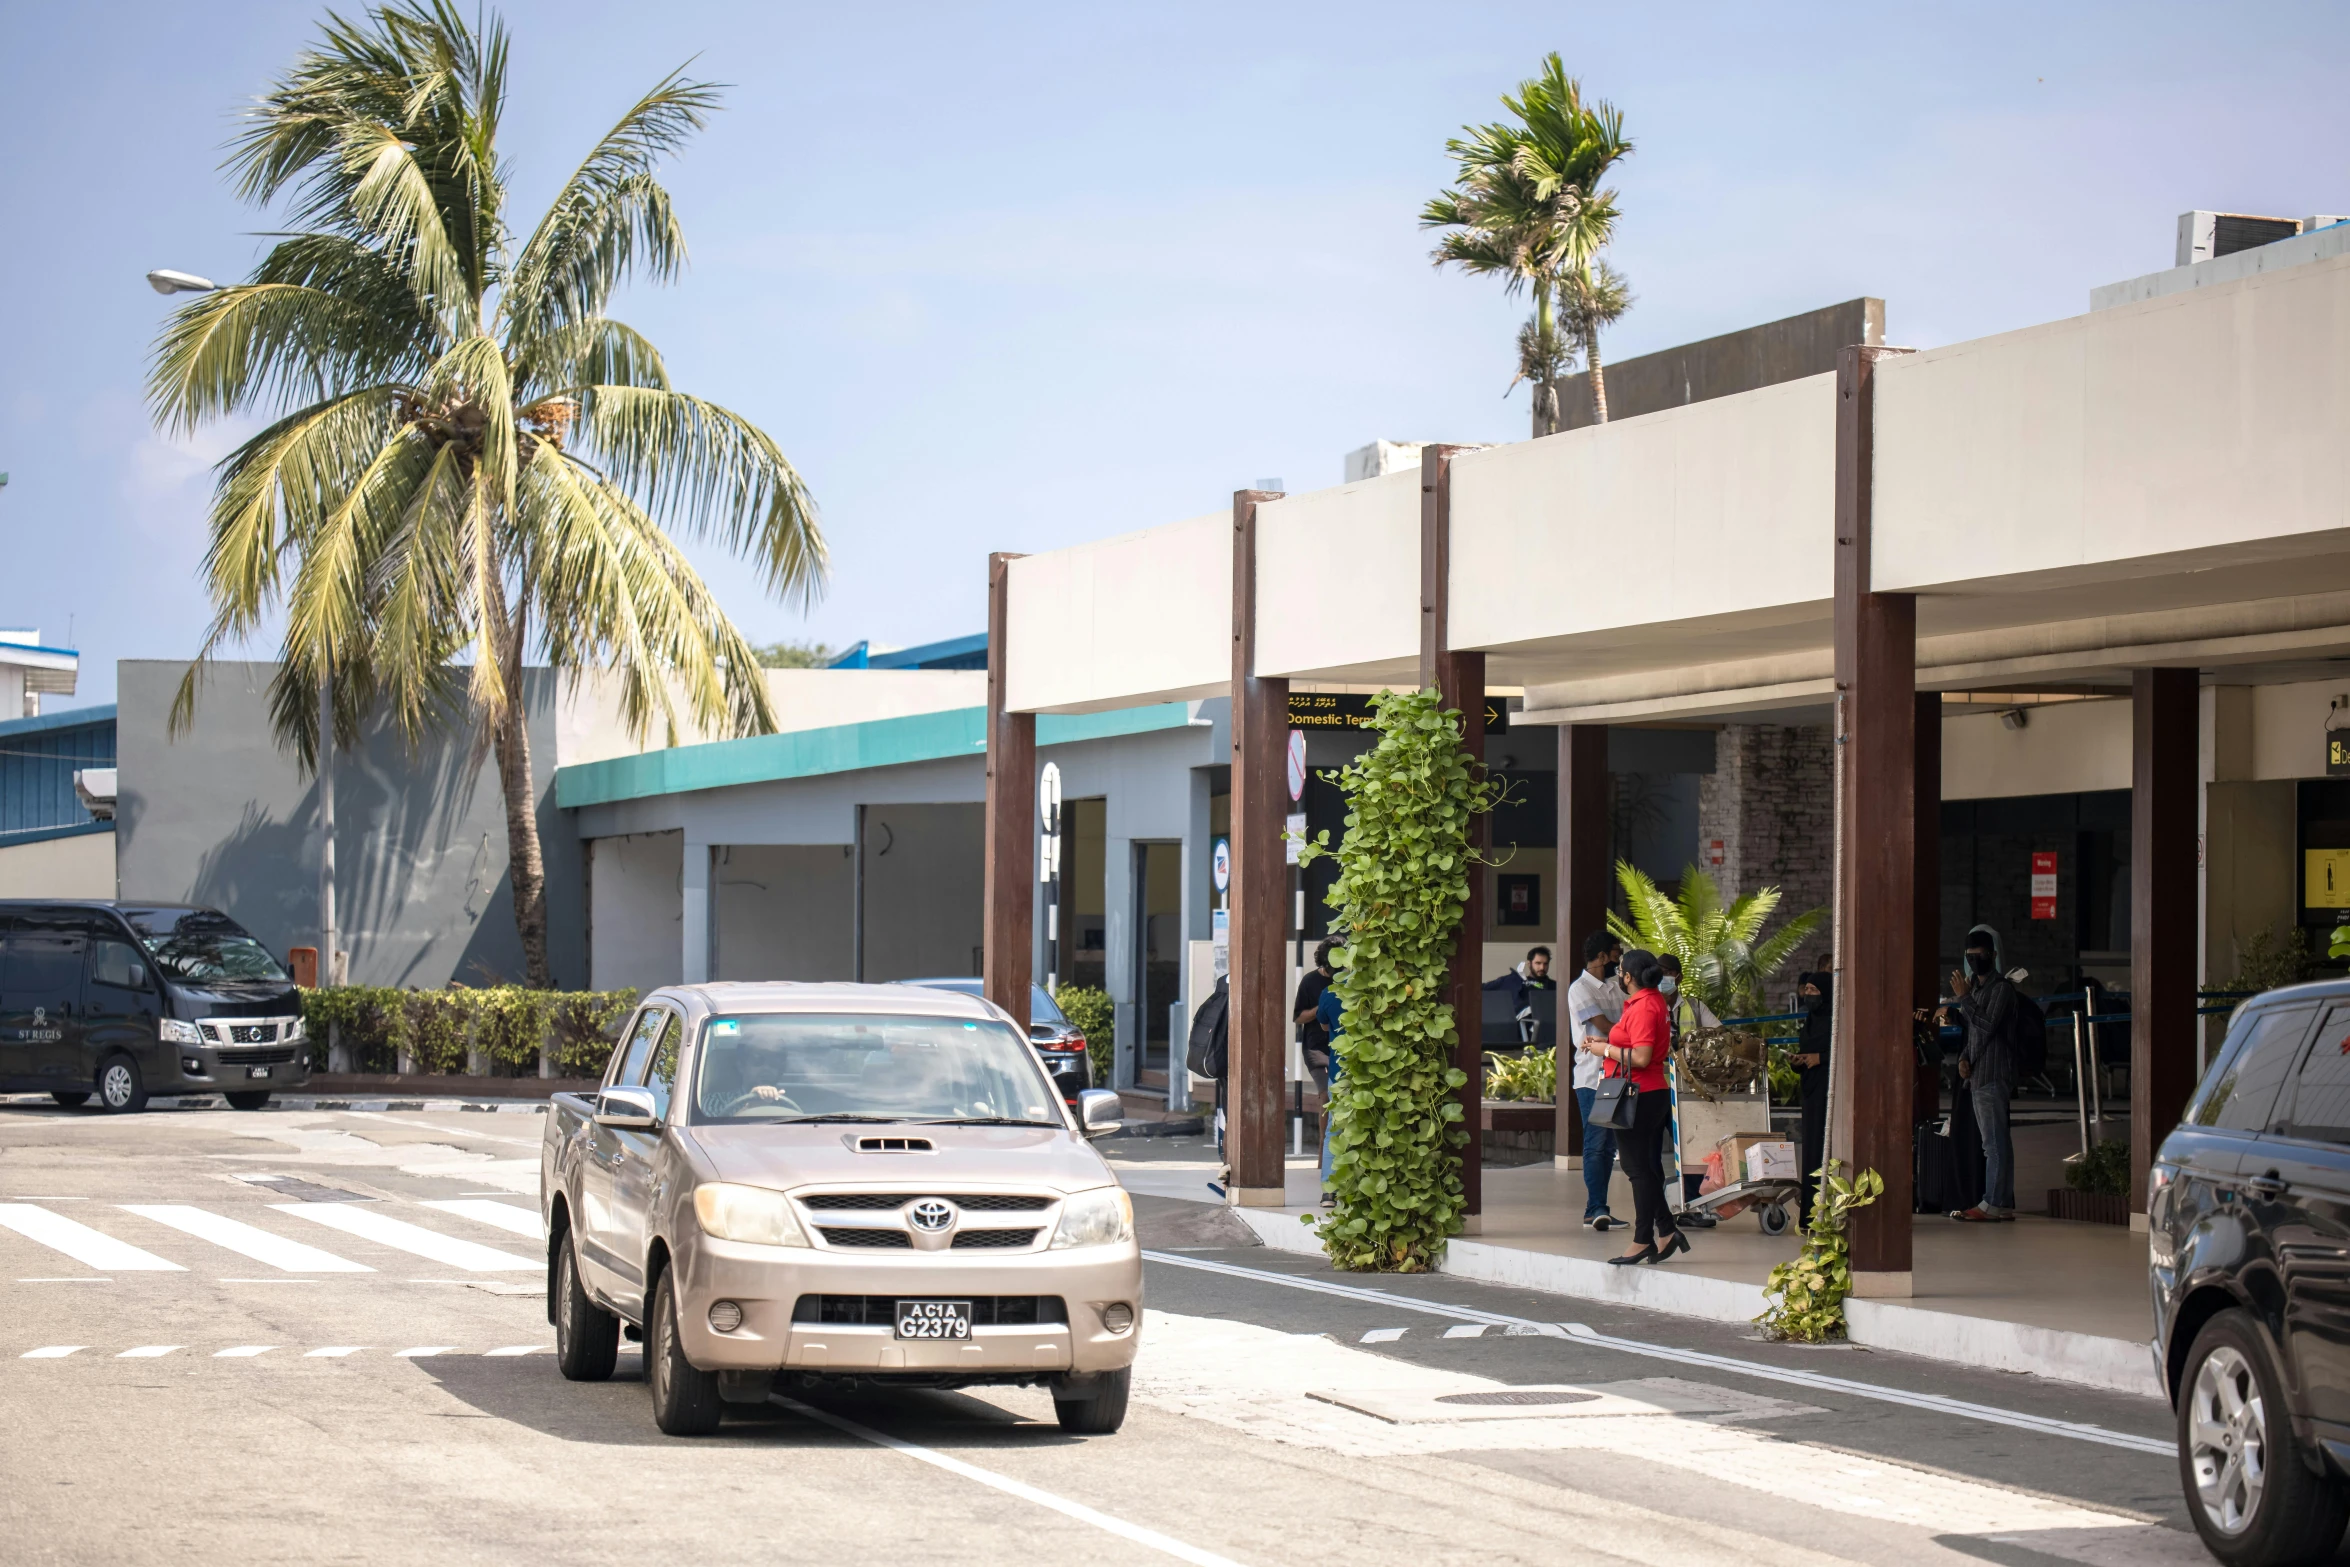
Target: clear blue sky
(1012,278)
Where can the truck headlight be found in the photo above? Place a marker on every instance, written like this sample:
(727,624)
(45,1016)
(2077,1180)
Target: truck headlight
(174,1032)
(747,1213)
(1096,1218)
(294,1031)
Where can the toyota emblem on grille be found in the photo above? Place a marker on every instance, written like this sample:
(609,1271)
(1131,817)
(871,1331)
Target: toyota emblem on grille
(932,1214)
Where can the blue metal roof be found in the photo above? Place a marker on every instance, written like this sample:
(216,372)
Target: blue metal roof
(954,653)
(38,758)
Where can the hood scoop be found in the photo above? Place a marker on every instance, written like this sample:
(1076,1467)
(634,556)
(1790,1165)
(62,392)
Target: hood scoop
(889,1144)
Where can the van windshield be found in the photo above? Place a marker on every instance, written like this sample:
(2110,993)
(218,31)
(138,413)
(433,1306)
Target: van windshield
(203,947)
(800,1066)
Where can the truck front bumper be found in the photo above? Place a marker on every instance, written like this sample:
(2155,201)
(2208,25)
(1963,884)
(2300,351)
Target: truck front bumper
(772,1284)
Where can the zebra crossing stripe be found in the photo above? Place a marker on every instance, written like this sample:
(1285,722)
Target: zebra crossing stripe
(245,1240)
(52,1352)
(243,1352)
(504,1215)
(1384,1335)
(368,1225)
(424,1350)
(1467,1330)
(334,1351)
(521,1349)
(148,1352)
(80,1242)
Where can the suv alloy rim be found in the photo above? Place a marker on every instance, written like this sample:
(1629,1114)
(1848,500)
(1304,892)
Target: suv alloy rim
(2228,1440)
(116,1085)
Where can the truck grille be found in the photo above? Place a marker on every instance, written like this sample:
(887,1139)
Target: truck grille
(274,1056)
(970,1239)
(880,1311)
(880,1238)
(880,1201)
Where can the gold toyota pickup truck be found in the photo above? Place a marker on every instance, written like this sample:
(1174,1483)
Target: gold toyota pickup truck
(783,1184)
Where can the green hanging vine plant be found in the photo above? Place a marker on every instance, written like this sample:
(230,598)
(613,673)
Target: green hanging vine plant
(1403,879)
(1806,1296)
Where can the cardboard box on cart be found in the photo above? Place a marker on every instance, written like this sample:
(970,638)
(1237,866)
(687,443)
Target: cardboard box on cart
(1733,1151)
(1772,1161)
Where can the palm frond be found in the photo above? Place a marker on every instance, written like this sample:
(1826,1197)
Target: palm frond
(258,342)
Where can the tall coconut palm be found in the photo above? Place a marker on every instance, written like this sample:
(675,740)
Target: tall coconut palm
(1526,206)
(1592,297)
(468,460)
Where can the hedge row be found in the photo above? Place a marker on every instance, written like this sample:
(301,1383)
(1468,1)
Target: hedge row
(440,1029)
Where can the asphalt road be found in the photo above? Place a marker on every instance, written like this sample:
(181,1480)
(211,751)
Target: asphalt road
(319,1336)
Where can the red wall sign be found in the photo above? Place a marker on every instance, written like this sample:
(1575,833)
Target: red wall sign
(2044,886)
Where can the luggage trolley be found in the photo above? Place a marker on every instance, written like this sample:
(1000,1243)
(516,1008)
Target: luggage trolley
(1771,1198)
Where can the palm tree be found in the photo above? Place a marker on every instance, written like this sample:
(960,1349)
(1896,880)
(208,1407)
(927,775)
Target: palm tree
(1723,965)
(1593,297)
(1526,207)
(468,460)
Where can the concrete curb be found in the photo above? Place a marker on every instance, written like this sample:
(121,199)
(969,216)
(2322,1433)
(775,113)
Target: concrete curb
(315,1102)
(2084,1359)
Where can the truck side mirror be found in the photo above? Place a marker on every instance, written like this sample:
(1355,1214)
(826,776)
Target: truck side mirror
(1100,1112)
(626,1110)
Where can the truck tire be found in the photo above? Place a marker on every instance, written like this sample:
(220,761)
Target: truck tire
(1097,1402)
(587,1337)
(2253,1498)
(121,1090)
(685,1400)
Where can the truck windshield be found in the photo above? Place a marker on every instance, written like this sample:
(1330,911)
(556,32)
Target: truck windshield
(790,1066)
(203,947)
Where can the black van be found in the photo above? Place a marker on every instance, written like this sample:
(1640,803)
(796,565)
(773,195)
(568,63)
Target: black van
(129,999)
(2248,1219)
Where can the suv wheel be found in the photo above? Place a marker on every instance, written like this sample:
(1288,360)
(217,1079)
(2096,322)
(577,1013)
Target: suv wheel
(685,1400)
(587,1337)
(120,1088)
(1096,1405)
(2254,1499)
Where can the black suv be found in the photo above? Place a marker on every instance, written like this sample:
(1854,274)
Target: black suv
(2248,1213)
(125,999)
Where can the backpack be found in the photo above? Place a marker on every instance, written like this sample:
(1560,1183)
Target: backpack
(2027,1036)
(1209,1036)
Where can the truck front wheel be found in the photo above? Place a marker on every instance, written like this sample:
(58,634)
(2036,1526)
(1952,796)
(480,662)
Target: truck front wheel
(685,1400)
(587,1337)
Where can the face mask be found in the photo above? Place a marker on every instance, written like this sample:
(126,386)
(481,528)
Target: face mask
(1978,963)
(1608,972)
(1669,985)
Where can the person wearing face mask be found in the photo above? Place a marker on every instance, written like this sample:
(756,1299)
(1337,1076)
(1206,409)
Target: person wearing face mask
(1986,1066)
(1638,1048)
(1594,1002)
(1815,990)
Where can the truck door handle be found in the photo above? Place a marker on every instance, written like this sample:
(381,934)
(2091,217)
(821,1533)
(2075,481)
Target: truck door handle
(2270,1185)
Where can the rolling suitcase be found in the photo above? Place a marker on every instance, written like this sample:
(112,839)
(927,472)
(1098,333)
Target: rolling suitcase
(1938,1188)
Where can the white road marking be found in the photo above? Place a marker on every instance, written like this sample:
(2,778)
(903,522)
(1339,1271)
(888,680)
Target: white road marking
(1819,1381)
(522,1349)
(79,1241)
(246,1240)
(1011,1487)
(334,1352)
(423,1350)
(83,1278)
(1384,1335)
(243,1352)
(367,1224)
(53,1352)
(1471,1330)
(148,1352)
(505,1215)
(269,1281)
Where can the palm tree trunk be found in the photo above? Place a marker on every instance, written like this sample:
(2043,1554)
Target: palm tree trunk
(1546,408)
(526,866)
(1598,377)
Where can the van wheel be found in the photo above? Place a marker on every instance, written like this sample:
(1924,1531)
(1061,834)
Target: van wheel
(71,1101)
(685,1400)
(1097,1402)
(252,1101)
(587,1337)
(2253,1499)
(121,1090)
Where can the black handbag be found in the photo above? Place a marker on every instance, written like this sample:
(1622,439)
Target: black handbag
(1614,1103)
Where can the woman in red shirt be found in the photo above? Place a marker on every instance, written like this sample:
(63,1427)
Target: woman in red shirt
(1637,1047)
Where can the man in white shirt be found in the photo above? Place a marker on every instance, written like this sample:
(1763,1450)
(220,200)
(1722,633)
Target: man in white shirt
(1594,1002)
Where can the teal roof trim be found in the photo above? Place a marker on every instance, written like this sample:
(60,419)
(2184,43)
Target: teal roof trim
(841,748)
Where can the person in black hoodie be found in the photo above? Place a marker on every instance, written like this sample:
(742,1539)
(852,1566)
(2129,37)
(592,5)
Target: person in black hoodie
(1816,990)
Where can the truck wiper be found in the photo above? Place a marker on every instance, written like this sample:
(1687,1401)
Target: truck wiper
(837,1115)
(980,1120)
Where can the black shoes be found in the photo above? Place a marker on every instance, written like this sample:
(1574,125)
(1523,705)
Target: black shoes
(1644,1254)
(1675,1242)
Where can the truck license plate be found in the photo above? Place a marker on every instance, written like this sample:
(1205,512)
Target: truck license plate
(937,1319)
(256,1071)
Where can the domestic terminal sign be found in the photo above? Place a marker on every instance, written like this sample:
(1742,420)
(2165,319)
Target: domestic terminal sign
(1339,710)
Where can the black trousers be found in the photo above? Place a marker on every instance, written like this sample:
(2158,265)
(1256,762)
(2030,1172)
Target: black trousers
(1642,1149)
(1815,1143)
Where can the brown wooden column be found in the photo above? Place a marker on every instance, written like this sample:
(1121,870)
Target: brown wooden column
(2165,715)
(1259,1016)
(1459,682)
(1008,934)
(1581,897)
(1876,906)
(1926,922)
